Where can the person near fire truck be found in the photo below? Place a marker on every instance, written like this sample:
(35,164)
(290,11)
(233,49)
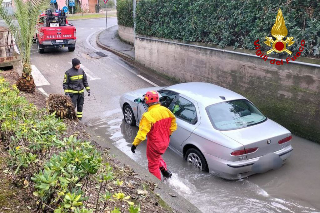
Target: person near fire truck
(74,83)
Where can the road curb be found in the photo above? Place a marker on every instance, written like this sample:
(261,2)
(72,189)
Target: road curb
(145,70)
(116,52)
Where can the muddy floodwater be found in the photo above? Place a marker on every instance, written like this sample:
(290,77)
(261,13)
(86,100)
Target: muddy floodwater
(292,188)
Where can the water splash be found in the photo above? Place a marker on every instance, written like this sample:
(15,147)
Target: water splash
(180,184)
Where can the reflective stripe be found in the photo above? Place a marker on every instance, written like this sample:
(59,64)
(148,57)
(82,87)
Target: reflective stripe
(79,113)
(76,77)
(79,116)
(87,88)
(73,91)
(65,78)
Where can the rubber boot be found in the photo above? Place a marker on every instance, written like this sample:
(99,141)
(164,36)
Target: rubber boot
(166,173)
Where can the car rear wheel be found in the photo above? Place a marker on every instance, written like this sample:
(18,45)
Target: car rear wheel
(128,115)
(196,158)
(71,49)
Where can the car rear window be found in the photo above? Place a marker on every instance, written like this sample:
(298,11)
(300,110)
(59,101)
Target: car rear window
(235,114)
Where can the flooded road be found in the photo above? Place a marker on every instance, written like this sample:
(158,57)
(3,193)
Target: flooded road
(292,188)
(289,189)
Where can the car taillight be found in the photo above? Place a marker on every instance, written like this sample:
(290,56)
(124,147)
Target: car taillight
(285,140)
(75,33)
(244,151)
(238,152)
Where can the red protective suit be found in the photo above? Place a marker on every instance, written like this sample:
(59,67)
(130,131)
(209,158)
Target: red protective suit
(157,125)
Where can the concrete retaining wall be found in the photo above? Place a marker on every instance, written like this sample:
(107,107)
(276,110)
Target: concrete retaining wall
(126,34)
(288,94)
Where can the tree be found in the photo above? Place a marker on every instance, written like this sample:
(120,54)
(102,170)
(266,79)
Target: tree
(22,24)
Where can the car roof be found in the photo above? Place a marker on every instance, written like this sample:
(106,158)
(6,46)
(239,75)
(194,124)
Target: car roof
(205,93)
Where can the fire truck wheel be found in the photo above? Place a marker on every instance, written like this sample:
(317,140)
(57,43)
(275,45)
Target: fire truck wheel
(40,50)
(71,49)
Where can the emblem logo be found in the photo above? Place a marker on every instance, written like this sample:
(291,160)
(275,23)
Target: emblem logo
(279,32)
(268,141)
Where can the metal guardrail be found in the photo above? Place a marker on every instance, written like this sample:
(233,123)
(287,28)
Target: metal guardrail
(225,51)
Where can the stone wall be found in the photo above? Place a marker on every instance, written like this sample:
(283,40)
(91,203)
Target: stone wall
(288,93)
(126,34)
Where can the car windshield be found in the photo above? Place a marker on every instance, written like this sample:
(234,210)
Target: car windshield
(235,114)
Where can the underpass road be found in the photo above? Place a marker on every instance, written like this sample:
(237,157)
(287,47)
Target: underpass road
(292,188)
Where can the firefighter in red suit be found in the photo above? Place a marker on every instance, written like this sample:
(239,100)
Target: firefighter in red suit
(157,125)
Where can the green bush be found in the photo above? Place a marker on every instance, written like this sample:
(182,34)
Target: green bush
(229,23)
(59,170)
(125,13)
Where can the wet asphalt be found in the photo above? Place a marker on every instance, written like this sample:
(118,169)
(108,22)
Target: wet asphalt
(292,188)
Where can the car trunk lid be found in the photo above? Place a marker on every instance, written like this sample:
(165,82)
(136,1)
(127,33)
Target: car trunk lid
(264,136)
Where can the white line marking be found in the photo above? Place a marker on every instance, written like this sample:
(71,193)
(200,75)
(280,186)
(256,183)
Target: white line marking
(44,92)
(90,74)
(150,82)
(143,78)
(123,66)
(89,37)
(38,78)
(88,42)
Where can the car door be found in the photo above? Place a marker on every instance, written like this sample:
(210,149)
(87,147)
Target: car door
(166,98)
(141,108)
(187,117)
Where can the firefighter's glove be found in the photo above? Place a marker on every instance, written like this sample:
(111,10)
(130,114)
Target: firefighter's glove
(133,148)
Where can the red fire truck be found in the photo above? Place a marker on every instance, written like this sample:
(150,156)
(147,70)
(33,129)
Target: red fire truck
(54,31)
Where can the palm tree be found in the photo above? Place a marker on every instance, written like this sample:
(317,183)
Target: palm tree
(26,14)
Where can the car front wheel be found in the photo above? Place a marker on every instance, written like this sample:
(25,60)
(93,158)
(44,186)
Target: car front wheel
(196,158)
(128,115)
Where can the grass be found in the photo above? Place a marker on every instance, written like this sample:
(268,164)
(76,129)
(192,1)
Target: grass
(80,16)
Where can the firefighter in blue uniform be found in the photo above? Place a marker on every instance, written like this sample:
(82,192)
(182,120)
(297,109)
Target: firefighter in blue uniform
(74,83)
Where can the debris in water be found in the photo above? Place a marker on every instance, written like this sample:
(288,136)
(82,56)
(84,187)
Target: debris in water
(172,195)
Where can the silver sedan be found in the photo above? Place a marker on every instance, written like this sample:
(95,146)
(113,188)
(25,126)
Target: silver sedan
(218,131)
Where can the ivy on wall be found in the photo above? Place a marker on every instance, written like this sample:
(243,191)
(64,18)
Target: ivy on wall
(229,23)
(125,13)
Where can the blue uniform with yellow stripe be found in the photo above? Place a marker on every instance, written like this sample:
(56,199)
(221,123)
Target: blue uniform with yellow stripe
(74,83)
